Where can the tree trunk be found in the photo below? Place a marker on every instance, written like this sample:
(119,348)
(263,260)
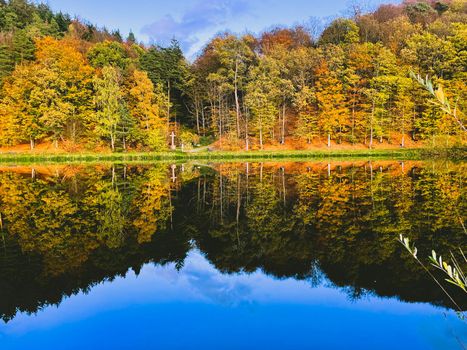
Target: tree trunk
(371,124)
(403,135)
(283,124)
(173,167)
(353,119)
(239,198)
(329,140)
(112,143)
(168,104)
(204,192)
(220,120)
(283,187)
(172,141)
(32,143)
(203,119)
(73,131)
(171,209)
(197,117)
(221,187)
(113,175)
(247,185)
(261,136)
(247,142)
(237,103)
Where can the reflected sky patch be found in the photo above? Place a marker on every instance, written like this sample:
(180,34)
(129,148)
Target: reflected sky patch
(198,307)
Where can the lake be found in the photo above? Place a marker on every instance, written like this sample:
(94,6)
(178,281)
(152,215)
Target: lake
(292,255)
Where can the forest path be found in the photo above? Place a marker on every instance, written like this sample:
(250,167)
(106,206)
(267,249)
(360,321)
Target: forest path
(207,148)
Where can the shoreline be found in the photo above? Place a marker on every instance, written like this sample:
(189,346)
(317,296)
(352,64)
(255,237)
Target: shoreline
(410,153)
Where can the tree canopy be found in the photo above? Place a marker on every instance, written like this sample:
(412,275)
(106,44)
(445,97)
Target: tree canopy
(285,86)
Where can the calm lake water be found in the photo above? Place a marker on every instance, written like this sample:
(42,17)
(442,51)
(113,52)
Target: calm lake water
(228,256)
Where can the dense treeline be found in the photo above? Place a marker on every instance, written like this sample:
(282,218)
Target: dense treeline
(350,84)
(65,229)
(68,82)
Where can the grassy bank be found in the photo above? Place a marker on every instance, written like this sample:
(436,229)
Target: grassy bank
(21,158)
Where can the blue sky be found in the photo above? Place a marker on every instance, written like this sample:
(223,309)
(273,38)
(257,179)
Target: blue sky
(194,22)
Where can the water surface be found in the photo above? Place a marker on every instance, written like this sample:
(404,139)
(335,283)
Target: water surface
(238,255)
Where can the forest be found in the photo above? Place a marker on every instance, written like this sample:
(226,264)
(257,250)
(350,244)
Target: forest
(79,87)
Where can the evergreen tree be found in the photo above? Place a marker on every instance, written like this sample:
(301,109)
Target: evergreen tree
(6,62)
(131,39)
(167,67)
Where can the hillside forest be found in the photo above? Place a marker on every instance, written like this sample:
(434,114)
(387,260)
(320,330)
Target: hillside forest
(79,87)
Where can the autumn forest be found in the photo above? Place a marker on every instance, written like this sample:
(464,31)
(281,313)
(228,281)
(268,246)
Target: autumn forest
(76,86)
(191,175)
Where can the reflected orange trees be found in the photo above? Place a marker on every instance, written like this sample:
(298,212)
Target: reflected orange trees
(65,229)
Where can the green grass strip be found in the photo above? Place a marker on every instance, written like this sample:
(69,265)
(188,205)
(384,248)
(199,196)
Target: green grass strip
(221,156)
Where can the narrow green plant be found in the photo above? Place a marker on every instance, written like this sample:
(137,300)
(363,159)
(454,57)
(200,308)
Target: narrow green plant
(441,99)
(454,272)
(452,269)
(456,275)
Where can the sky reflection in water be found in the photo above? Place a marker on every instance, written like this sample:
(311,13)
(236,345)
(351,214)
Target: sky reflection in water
(199,307)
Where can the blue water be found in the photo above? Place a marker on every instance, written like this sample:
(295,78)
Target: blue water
(200,308)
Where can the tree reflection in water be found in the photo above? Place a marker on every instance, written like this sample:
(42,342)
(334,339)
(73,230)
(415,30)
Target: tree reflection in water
(65,229)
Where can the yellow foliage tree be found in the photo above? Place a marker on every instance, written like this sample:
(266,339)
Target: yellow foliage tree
(333,114)
(148,105)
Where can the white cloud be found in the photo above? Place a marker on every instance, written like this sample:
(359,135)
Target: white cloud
(204,16)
